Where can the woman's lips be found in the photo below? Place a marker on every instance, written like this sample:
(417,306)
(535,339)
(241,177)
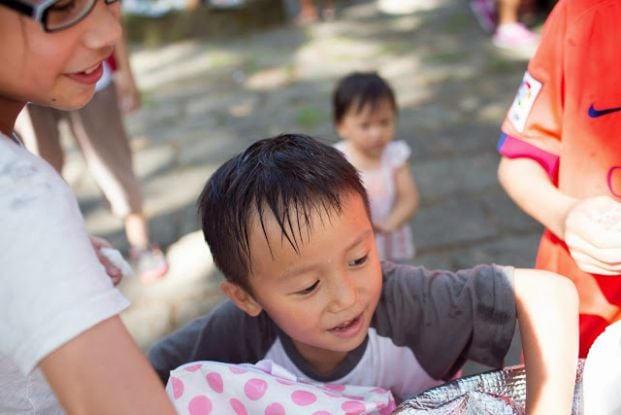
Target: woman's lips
(348,328)
(88,77)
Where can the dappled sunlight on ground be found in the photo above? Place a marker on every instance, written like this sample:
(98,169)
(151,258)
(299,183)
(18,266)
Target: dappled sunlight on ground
(407,6)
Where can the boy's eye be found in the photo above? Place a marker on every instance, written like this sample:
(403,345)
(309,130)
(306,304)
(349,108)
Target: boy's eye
(359,261)
(308,290)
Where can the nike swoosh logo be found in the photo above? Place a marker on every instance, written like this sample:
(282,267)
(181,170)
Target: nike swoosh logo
(593,113)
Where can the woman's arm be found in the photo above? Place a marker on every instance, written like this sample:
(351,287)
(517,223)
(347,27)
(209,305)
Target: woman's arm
(102,371)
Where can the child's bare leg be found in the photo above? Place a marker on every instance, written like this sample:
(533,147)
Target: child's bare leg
(508,11)
(328,11)
(148,260)
(308,12)
(510,33)
(137,230)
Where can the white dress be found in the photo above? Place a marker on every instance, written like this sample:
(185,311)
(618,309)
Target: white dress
(52,286)
(380,186)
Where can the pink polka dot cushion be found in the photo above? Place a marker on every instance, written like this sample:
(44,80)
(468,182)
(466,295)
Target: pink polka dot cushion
(211,388)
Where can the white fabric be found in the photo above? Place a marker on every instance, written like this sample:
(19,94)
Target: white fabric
(25,394)
(382,359)
(215,388)
(106,78)
(380,186)
(52,287)
(601,379)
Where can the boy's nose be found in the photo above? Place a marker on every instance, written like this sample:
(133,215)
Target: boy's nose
(344,293)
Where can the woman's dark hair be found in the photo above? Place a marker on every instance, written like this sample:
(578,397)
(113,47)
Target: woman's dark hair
(290,176)
(359,89)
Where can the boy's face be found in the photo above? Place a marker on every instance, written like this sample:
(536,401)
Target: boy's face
(324,296)
(369,129)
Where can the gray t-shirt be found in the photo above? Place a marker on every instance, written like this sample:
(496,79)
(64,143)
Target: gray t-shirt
(426,325)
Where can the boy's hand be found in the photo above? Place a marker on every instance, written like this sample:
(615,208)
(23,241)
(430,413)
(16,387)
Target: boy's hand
(593,235)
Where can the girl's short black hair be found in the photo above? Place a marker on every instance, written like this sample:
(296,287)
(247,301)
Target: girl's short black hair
(358,90)
(289,175)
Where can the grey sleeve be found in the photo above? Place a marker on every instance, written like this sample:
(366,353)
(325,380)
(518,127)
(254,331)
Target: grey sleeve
(448,317)
(226,334)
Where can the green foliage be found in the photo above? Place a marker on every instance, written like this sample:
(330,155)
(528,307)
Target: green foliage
(309,117)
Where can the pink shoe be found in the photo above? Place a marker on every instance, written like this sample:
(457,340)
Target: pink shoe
(515,36)
(485,13)
(149,264)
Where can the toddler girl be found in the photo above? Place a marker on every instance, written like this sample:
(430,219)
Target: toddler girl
(365,114)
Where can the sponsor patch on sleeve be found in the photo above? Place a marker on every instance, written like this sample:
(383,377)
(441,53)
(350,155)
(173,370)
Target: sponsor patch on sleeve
(524,101)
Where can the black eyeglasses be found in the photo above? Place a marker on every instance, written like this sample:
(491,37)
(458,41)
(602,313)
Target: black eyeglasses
(54,15)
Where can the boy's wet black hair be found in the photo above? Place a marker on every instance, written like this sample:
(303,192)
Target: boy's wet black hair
(360,89)
(289,176)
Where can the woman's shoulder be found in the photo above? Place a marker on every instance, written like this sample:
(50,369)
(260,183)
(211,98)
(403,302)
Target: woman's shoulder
(26,177)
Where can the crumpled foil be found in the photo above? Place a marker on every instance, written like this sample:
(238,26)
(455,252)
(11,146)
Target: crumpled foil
(498,392)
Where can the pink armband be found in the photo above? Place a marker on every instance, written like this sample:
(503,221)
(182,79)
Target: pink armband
(512,147)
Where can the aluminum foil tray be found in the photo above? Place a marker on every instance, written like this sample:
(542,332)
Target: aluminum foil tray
(498,392)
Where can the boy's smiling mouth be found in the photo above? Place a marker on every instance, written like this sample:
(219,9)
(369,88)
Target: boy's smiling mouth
(348,328)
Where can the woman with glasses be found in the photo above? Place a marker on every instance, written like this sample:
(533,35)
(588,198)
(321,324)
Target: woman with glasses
(59,322)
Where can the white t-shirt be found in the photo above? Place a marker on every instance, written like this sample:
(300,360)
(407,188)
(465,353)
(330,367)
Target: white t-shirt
(52,286)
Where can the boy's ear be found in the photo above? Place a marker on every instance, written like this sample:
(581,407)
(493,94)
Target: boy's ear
(242,299)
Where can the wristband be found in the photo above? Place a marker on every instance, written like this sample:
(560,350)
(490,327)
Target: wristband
(512,147)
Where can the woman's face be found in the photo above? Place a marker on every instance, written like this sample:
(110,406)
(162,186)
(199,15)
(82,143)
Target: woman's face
(57,69)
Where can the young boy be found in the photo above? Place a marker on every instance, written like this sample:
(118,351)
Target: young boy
(287,222)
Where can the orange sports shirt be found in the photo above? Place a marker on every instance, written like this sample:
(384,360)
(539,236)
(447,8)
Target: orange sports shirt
(569,105)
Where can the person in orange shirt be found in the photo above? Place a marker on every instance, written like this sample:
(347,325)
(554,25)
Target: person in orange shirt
(561,148)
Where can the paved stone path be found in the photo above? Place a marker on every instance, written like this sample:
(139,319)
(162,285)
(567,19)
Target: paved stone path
(207,99)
